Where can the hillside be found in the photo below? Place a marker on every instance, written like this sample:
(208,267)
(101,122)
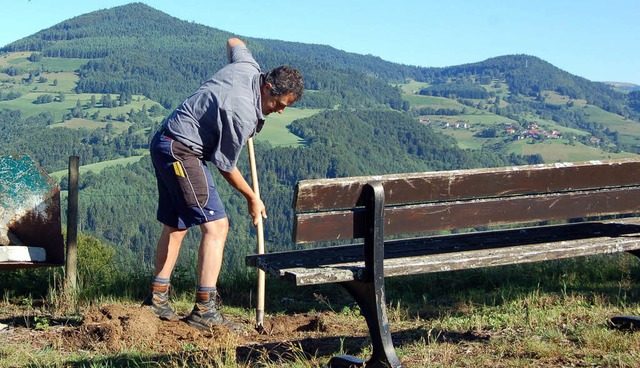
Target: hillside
(139,50)
(630,87)
(98,86)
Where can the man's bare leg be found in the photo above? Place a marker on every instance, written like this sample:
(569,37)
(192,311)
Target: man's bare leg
(214,236)
(167,250)
(166,256)
(205,313)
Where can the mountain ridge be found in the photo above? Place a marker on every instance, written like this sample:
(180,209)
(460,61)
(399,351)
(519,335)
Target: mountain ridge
(367,122)
(136,49)
(105,22)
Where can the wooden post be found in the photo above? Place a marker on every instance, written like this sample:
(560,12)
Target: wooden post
(71,262)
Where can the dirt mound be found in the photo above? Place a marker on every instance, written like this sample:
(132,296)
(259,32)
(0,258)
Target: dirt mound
(116,327)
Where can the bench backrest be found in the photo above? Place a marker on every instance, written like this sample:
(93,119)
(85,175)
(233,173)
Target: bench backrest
(333,209)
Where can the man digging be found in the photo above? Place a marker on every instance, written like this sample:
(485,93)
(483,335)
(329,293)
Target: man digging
(213,124)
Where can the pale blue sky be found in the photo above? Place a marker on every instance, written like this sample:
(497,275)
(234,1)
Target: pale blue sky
(595,39)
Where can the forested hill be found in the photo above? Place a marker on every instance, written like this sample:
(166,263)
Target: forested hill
(530,76)
(139,50)
(99,85)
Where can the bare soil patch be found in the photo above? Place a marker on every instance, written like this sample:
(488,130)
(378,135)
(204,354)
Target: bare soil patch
(116,328)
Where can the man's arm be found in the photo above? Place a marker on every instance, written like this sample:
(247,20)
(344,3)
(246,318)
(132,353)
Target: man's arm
(231,43)
(254,203)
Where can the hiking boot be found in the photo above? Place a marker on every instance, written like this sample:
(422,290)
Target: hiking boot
(159,303)
(205,315)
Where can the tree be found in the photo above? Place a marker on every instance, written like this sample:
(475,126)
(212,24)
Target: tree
(35,57)
(77,111)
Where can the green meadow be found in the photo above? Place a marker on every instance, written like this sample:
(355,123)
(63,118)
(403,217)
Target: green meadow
(26,104)
(418,101)
(97,167)
(412,87)
(275,129)
(20,60)
(560,150)
(59,79)
(77,123)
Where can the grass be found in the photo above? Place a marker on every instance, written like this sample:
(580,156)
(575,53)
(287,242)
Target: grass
(20,60)
(62,71)
(60,78)
(466,137)
(25,103)
(559,150)
(434,102)
(412,87)
(97,167)
(77,123)
(275,128)
(548,314)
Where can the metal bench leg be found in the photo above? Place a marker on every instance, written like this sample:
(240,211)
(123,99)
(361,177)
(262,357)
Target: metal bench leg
(369,292)
(371,299)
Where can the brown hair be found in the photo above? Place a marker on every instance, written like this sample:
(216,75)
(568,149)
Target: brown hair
(285,79)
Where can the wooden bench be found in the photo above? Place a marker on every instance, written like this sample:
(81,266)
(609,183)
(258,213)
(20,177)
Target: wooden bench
(554,211)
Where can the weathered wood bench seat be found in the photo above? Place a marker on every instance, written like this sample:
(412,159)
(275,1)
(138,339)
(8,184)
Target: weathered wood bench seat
(453,220)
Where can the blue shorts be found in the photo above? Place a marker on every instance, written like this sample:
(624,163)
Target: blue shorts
(187,195)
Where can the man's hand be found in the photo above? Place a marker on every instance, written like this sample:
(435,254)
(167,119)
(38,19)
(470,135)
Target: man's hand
(256,209)
(254,203)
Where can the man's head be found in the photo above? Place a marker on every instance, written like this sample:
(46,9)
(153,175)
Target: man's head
(281,87)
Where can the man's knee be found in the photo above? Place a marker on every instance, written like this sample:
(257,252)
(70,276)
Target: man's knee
(217,227)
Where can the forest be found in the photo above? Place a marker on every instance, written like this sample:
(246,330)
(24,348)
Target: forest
(364,127)
(118,204)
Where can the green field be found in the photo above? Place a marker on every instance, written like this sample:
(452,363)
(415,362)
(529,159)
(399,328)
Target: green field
(275,129)
(26,104)
(434,102)
(559,150)
(60,79)
(628,129)
(275,132)
(412,87)
(498,87)
(20,60)
(97,167)
(118,126)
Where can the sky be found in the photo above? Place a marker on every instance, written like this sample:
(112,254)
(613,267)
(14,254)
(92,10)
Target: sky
(595,39)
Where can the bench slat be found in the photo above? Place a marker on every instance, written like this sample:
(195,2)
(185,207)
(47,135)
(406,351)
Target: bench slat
(455,252)
(430,217)
(340,193)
